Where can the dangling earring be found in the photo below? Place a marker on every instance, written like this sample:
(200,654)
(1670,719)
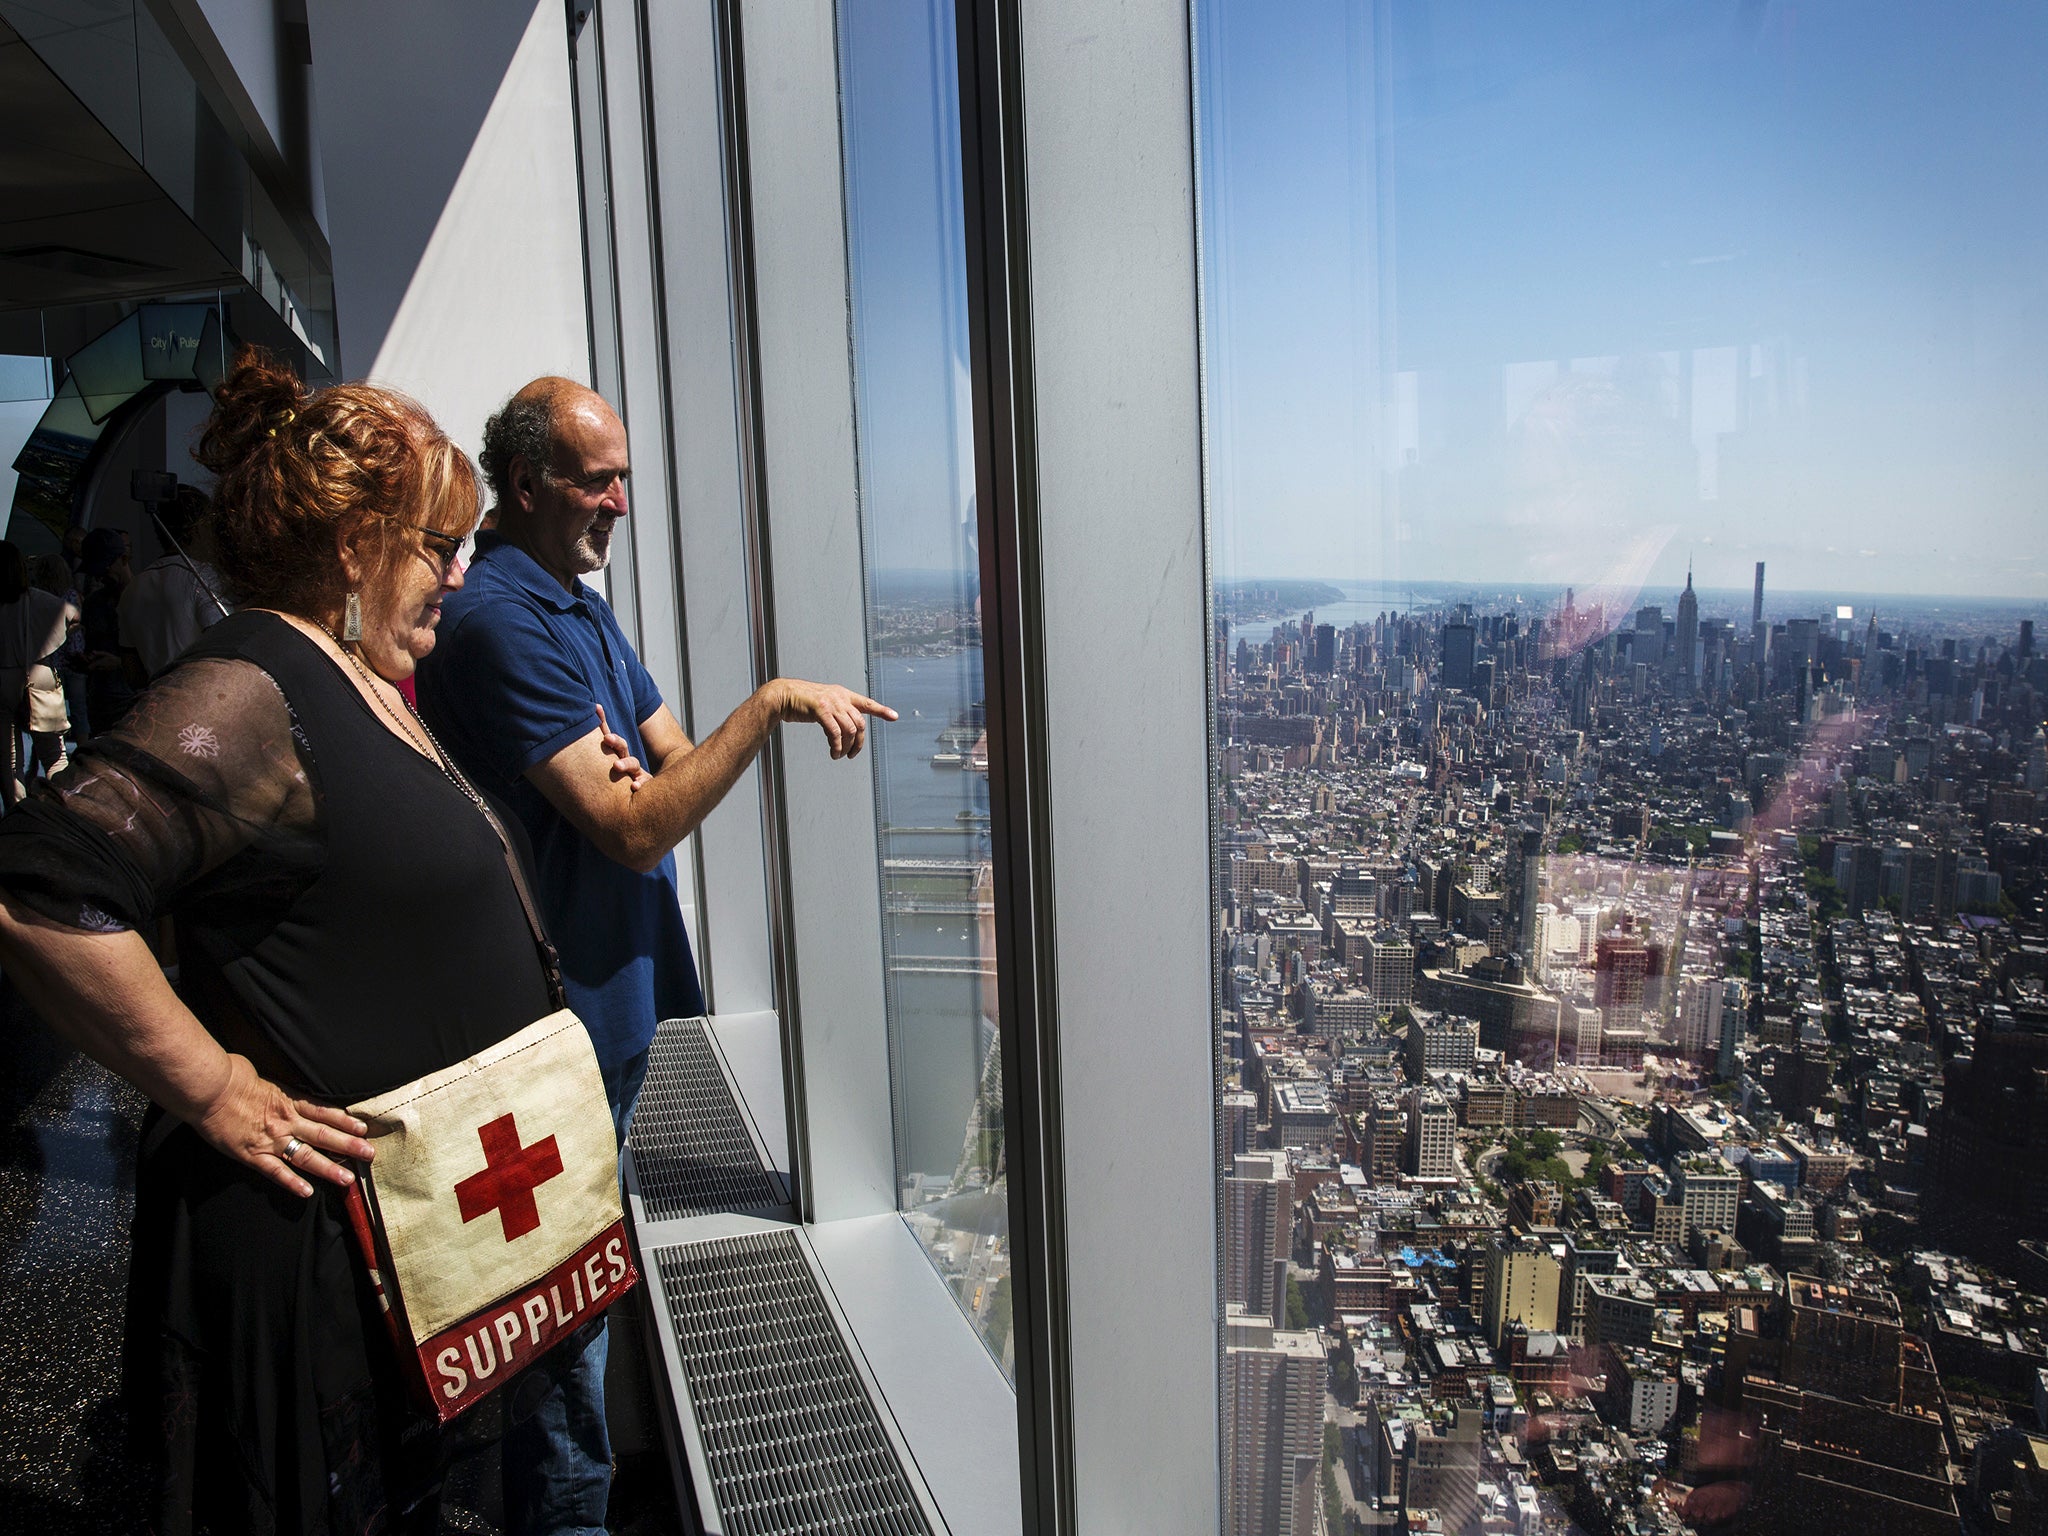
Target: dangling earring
(352,621)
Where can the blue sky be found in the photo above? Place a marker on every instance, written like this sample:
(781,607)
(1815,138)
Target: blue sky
(900,112)
(1504,291)
(1519,290)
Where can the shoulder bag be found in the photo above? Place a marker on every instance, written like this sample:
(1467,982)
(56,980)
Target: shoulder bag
(490,1216)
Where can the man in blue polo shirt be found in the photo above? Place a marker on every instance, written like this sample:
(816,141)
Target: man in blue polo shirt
(534,690)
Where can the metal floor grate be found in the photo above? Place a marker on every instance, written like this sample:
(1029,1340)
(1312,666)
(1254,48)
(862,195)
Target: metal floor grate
(793,1442)
(692,1154)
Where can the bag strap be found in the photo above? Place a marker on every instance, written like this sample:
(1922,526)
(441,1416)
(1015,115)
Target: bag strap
(550,957)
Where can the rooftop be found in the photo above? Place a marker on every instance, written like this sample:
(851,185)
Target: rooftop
(1869,1301)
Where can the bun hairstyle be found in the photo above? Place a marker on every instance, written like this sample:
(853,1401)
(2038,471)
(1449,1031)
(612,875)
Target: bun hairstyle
(301,471)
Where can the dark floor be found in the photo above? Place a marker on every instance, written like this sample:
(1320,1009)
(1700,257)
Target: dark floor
(67,1147)
(67,1150)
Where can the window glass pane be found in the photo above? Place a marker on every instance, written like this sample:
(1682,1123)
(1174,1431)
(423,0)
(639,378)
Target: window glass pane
(24,396)
(907,255)
(1625,493)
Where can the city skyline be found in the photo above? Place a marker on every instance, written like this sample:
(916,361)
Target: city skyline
(1737,597)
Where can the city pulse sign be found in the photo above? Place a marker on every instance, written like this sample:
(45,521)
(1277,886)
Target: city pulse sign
(491,1210)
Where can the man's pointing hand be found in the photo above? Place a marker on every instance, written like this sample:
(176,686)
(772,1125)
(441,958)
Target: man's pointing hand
(840,712)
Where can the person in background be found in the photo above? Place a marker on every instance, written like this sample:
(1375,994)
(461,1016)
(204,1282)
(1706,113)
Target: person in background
(535,690)
(72,668)
(52,573)
(33,624)
(174,600)
(110,678)
(47,708)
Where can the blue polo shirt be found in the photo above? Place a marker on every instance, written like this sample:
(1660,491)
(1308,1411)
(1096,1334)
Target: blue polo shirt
(516,675)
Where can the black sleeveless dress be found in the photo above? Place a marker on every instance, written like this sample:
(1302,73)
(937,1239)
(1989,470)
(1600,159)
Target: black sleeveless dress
(344,904)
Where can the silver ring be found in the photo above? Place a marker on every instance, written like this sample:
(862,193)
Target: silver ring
(292,1147)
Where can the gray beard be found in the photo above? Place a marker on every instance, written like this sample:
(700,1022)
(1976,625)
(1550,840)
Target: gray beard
(589,557)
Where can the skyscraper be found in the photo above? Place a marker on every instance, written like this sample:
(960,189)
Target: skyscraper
(1443,1468)
(1621,963)
(1323,650)
(1708,1191)
(1759,632)
(1240,1119)
(1390,968)
(1699,1014)
(1272,1427)
(1432,1135)
(1990,1142)
(1688,634)
(1649,636)
(1734,1011)
(1258,1221)
(1529,878)
(1461,647)
(1522,1286)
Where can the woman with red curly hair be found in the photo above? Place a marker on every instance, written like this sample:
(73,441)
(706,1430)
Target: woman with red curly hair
(347,923)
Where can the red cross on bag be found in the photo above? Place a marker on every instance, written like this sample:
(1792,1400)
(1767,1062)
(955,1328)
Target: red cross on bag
(510,1175)
(490,1215)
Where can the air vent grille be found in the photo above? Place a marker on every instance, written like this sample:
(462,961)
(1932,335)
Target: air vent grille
(691,1151)
(793,1442)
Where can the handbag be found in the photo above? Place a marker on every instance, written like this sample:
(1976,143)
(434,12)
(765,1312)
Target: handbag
(490,1218)
(47,711)
(38,623)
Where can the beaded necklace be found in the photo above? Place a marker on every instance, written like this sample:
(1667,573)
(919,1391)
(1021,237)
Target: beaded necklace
(431,747)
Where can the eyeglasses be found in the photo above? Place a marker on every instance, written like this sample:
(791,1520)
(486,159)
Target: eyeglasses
(443,548)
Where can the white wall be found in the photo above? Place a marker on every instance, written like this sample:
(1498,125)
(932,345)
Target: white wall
(447,148)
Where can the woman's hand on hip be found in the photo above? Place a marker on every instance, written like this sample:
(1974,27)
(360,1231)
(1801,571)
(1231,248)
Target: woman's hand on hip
(256,1122)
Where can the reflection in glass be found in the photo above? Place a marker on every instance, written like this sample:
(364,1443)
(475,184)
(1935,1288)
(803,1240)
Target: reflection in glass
(1625,485)
(906,246)
(146,107)
(25,389)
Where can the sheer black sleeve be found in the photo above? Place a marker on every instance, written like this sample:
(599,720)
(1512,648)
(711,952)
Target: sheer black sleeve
(205,788)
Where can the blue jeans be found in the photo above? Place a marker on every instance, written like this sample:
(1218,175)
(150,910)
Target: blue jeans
(622,1085)
(557,1452)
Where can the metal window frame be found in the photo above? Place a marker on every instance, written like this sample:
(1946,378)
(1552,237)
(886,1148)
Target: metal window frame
(789,242)
(1087,428)
(992,133)
(730,617)
(1079,150)
(724,394)
(663,349)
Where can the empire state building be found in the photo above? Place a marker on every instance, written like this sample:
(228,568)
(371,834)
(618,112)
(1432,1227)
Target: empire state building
(1689,635)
